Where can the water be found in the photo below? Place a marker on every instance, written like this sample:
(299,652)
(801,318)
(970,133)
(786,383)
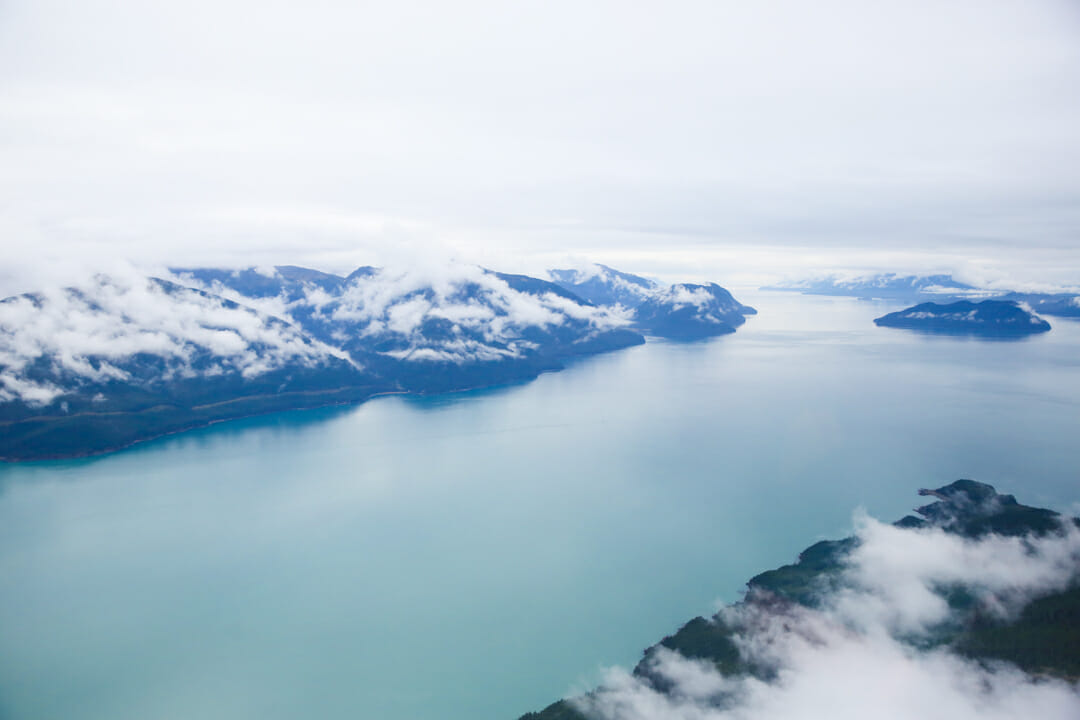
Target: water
(479,555)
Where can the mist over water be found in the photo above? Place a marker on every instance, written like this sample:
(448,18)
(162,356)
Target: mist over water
(482,554)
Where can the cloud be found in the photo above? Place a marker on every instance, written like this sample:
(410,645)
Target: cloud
(455,351)
(841,677)
(896,576)
(863,652)
(273,306)
(683,296)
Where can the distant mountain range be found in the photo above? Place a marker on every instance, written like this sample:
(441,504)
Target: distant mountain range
(936,288)
(885,286)
(1060,304)
(728,661)
(989,318)
(120,359)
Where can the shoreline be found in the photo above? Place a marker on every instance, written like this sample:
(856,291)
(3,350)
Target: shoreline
(318,399)
(328,402)
(183,428)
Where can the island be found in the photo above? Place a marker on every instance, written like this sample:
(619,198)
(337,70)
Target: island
(126,358)
(1038,633)
(989,318)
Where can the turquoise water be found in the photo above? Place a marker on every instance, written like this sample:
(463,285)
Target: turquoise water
(479,555)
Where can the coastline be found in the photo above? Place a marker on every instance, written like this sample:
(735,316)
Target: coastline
(321,400)
(84,435)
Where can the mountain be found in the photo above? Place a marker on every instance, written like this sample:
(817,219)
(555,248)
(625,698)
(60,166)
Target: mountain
(602,285)
(97,367)
(989,318)
(288,280)
(118,360)
(680,312)
(956,611)
(687,312)
(438,329)
(887,286)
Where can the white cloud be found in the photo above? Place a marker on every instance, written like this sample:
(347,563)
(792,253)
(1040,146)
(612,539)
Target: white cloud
(608,317)
(13,387)
(682,296)
(405,317)
(456,351)
(274,306)
(896,575)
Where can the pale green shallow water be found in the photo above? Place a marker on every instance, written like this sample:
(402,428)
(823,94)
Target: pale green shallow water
(479,555)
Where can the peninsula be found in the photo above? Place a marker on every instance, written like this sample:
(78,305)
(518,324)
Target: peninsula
(122,359)
(1036,632)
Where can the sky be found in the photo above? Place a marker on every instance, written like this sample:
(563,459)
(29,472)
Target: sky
(730,141)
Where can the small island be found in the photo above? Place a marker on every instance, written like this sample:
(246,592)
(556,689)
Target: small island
(989,318)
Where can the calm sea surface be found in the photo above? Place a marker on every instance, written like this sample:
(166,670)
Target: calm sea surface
(481,554)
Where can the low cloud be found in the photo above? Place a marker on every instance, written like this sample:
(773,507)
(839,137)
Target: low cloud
(863,652)
(683,295)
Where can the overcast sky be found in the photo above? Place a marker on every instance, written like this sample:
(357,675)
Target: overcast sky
(734,140)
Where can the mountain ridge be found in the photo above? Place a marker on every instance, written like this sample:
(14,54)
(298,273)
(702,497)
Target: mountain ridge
(115,361)
(682,311)
(937,287)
